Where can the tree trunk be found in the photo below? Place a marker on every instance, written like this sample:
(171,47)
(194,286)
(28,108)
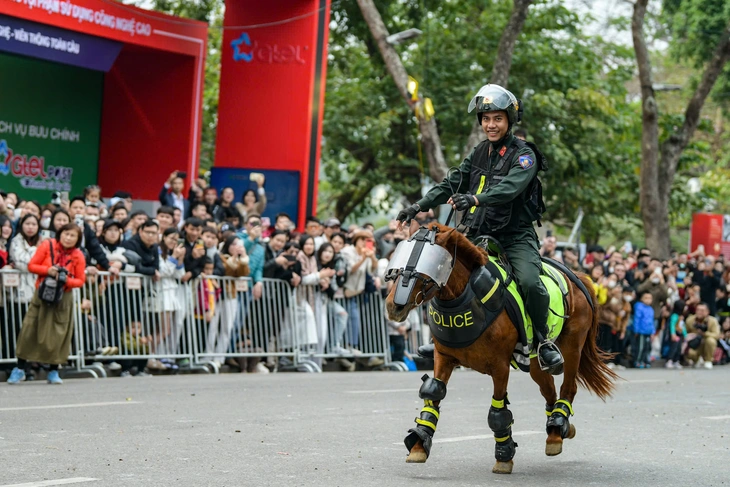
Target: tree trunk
(503,62)
(656,179)
(428,129)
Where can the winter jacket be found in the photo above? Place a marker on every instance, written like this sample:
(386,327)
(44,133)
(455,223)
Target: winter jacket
(149,256)
(234,267)
(21,252)
(643,319)
(72,260)
(171,271)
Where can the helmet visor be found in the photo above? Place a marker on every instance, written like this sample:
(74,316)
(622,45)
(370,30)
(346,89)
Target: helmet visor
(494,95)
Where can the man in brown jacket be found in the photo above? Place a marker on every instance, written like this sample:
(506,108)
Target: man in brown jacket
(708,329)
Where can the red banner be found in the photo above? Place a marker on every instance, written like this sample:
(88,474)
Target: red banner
(271,104)
(711,231)
(116,21)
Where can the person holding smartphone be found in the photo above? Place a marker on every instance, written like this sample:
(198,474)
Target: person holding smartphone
(360,259)
(171,193)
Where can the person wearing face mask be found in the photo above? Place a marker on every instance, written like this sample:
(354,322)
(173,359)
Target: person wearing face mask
(46,213)
(657,287)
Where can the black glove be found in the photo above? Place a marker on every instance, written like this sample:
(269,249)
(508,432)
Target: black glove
(408,214)
(463,202)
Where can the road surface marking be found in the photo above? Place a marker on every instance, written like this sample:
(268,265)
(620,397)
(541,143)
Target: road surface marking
(717,417)
(477,437)
(66,406)
(378,391)
(47,483)
(641,381)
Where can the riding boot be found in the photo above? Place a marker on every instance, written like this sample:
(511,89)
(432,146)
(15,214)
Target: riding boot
(426,351)
(548,354)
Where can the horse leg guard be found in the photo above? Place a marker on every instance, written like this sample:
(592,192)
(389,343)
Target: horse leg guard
(432,389)
(559,418)
(500,421)
(424,430)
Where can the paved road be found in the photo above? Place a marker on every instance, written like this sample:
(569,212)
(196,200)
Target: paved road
(663,428)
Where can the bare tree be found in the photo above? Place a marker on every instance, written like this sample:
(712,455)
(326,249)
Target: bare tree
(427,127)
(659,163)
(503,62)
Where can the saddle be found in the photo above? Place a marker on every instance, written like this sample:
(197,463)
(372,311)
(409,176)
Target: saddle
(491,289)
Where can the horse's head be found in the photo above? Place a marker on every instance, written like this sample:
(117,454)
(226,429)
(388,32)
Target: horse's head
(435,260)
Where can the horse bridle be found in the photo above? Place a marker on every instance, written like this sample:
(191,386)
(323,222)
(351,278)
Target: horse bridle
(409,276)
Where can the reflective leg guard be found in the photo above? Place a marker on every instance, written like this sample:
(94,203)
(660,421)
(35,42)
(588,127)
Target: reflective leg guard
(432,389)
(559,417)
(425,427)
(500,421)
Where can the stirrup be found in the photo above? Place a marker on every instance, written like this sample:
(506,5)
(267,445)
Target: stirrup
(553,369)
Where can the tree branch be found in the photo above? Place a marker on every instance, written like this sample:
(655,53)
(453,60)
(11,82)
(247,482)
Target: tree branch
(676,143)
(428,129)
(503,62)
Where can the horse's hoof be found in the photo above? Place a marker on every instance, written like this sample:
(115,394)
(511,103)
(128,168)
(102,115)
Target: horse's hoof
(571,432)
(416,457)
(552,449)
(503,467)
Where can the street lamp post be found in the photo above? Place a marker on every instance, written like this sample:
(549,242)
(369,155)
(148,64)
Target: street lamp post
(400,37)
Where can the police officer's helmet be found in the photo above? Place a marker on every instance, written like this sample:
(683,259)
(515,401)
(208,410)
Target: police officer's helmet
(494,98)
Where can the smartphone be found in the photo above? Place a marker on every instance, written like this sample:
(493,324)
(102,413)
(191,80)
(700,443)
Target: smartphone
(182,174)
(199,243)
(47,234)
(79,220)
(256,177)
(370,245)
(181,241)
(64,196)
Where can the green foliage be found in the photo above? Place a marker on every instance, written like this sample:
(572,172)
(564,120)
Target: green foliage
(210,11)
(572,86)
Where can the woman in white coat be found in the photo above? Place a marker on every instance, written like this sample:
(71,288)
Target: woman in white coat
(169,289)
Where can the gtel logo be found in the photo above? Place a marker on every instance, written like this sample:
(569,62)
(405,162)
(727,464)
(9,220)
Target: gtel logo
(244,50)
(4,153)
(236,45)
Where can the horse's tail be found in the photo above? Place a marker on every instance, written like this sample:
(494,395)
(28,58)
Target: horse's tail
(593,373)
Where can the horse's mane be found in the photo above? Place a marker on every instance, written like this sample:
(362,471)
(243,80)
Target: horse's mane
(467,252)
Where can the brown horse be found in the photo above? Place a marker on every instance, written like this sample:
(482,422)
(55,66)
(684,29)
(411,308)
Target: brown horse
(491,354)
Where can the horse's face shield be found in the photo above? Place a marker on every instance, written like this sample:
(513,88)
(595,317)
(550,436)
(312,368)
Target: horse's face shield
(418,258)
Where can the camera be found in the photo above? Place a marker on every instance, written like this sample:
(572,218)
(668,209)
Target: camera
(56,198)
(62,276)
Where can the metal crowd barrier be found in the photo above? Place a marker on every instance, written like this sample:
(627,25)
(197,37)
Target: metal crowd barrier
(17,291)
(131,318)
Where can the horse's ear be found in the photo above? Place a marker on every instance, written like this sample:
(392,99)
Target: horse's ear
(414,227)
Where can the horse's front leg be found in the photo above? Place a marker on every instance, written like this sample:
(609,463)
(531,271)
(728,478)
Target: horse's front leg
(432,391)
(500,421)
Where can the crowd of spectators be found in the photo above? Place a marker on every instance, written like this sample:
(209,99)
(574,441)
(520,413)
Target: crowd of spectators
(198,238)
(677,309)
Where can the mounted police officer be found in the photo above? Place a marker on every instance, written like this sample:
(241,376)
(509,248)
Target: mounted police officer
(501,196)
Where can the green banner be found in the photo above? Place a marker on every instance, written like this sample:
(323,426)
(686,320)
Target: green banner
(50,116)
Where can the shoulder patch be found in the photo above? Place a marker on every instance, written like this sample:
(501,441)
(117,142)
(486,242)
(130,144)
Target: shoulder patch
(526,162)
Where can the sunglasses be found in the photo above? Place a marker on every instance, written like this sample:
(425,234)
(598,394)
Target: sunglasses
(255,224)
